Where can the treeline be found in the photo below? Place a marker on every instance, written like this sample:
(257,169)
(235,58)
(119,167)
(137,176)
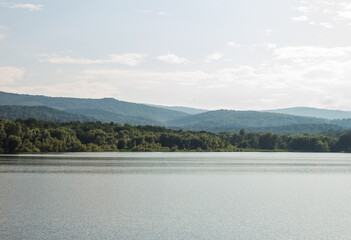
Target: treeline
(45,136)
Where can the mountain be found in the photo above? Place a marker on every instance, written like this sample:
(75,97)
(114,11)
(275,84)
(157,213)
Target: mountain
(106,104)
(187,110)
(346,123)
(228,120)
(105,116)
(40,112)
(112,110)
(313,112)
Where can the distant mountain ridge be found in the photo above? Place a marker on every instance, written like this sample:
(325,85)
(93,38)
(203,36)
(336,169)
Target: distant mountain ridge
(187,110)
(112,110)
(111,105)
(313,112)
(227,120)
(105,116)
(41,113)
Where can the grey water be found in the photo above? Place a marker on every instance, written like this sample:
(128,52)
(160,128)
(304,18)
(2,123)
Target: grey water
(175,196)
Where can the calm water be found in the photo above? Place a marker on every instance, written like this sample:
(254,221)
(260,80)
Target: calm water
(176,196)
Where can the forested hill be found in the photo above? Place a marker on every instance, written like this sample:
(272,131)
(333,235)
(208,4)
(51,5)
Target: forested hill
(228,120)
(188,110)
(106,104)
(112,110)
(105,116)
(41,113)
(313,112)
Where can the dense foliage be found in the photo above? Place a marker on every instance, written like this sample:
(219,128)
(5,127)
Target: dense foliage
(42,113)
(44,136)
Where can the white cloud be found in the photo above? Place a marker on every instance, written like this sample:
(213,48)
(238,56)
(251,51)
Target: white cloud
(129,59)
(70,60)
(326,25)
(303,9)
(2,36)
(345,14)
(326,13)
(81,88)
(213,57)
(301,52)
(9,75)
(28,6)
(271,46)
(319,78)
(233,44)
(161,13)
(268,31)
(299,19)
(294,76)
(147,77)
(172,59)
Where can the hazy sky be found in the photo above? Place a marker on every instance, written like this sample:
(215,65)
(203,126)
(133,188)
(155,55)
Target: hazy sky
(233,54)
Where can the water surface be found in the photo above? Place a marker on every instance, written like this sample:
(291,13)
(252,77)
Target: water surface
(175,196)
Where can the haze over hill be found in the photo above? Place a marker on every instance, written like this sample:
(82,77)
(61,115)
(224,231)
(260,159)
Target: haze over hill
(313,112)
(112,110)
(188,110)
(41,113)
(90,106)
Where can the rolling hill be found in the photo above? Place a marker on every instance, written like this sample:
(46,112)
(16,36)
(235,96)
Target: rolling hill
(313,112)
(42,113)
(112,110)
(228,120)
(111,105)
(105,116)
(187,110)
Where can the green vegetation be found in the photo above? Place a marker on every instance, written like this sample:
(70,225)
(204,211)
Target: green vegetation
(45,136)
(42,113)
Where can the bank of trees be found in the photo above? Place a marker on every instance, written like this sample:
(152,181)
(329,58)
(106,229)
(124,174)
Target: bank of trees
(44,136)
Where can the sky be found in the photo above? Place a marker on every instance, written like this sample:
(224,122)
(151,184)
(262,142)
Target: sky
(212,54)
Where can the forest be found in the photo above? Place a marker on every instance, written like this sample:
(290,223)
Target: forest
(31,135)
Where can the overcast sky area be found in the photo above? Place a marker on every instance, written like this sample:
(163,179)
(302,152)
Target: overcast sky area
(225,54)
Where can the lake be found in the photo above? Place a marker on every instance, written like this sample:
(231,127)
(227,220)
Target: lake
(175,196)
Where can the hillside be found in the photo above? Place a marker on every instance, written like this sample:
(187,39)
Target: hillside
(227,120)
(107,104)
(187,110)
(112,110)
(313,112)
(105,116)
(346,123)
(40,112)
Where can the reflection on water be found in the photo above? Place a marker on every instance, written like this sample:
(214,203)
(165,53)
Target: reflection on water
(175,162)
(245,196)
